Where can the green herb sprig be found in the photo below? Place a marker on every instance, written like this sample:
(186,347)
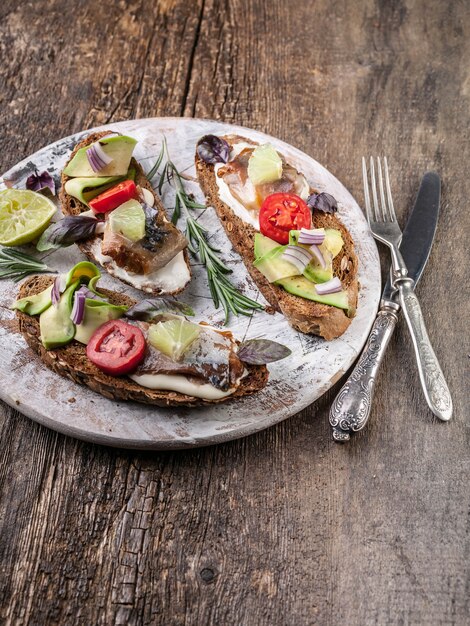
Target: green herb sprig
(17,265)
(223,292)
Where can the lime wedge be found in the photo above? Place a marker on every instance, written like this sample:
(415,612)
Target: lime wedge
(128,220)
(264,165)
(173,337)
(24,216)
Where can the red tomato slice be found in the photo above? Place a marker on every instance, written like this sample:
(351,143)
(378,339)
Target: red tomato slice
(116,347)
(114,197)
(282,212)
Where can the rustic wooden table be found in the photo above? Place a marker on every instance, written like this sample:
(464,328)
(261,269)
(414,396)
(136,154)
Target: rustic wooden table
(285,527)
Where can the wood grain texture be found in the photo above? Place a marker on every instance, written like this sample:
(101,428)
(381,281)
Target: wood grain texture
(284,527)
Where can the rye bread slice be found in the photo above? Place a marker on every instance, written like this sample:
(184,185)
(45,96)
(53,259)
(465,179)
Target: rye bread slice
(304,315)
(72,206)
(71,361)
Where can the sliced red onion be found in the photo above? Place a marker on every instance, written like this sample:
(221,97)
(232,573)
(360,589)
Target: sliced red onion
(331,286)
(318,255)
(300,257)
(88,293)
(78,309)
(57,288)
(315,235)
(97,157)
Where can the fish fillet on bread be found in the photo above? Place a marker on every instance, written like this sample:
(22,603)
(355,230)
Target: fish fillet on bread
(70,361)
(169,280)
(304,315)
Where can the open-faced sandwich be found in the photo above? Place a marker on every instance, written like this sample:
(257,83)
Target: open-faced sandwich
(298,252)
(121,222)
(143,351)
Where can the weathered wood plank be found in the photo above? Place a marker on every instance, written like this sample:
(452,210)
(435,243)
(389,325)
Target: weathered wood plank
(284,527)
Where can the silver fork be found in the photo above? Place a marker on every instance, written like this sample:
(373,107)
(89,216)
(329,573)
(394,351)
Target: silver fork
(384,226)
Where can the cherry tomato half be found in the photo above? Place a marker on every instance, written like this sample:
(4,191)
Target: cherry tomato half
(282,212)
(116,347)
(114,197)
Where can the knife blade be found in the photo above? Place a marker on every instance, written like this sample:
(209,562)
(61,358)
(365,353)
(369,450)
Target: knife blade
(420,230)
(351,408)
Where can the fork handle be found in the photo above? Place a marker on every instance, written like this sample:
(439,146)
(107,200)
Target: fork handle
(433,382)
(351,408)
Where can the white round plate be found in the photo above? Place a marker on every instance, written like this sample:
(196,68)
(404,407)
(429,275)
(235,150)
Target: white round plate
(294,383)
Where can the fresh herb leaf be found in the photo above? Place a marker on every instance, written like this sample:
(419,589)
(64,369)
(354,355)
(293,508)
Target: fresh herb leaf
(323,202)
(212,149)
(223,292)
(17,265)
(147,309)
(262,351)
(38,182)
(67,231)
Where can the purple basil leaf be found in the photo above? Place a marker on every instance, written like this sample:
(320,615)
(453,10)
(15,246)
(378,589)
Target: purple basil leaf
(147,309)
(67,231)
(261,351)
(38,182)
(323,202)
(213,149)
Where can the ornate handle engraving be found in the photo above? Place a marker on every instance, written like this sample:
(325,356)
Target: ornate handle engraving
(351,408)
(432,379)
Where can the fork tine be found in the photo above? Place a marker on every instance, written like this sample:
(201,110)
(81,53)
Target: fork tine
(389,192)
(381,189)
(366,190)
(374,190)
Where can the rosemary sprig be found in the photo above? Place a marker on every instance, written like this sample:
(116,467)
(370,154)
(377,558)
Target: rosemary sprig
(223,292)
(17,265)
(171,175)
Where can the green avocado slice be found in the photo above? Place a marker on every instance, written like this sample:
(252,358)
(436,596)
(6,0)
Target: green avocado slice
(300,286)
(34,305)
(57,329)
(119,148)
(263,245)
(85,189)
(96,314)
(274,267)
(83,272)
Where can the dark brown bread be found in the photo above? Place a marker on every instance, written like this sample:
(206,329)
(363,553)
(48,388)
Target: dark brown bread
(304,315)
(71,361)
(72,206)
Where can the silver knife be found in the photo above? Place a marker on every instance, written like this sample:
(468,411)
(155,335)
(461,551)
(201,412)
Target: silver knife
(351,407)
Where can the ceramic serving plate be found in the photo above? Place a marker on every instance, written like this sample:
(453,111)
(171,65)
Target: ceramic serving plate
(294,383)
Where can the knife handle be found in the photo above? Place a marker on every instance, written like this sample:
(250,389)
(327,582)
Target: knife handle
(435,388)
(351,407)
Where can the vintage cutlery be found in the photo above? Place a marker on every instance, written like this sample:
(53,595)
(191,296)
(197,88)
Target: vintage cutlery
(351,408)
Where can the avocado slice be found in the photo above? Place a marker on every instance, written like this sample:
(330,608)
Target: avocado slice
(57,329)
(85,189)
(263,245)
(119,148)
(316,274)
(333,241)
(330,247)
(96,314)
(83,272)
(273,267)
(300,286)
(34,305)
